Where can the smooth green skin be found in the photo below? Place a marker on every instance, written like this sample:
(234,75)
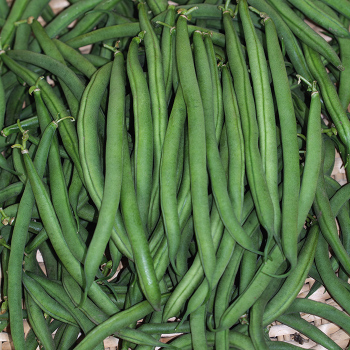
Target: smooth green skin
(215,167)
(58,188)
(2,103)
(4,165)
(89,20)
(8,30)
(198,326)
(75,58)
(257,286)
(217,89)
(309,330)
(157,6)
(57,292)
(197,147)
(342,6)
(118,321)
(264,110)
(167,47)
(158,106)
(194,275)
(113,171)
(322,310)
(224,290)
(320,17)
(55,106)
(38,323)
(58,242)
(67,16)
(342,217)
(143,126)
(295,280)
(313,160)
(236,340)
(134,336)
(75,293)
(291,44)
(307,35)
(18,241)
(254,166)
(168,183)
(30,123)
(326,219)
(329,96)
(45,302)
(4,8)
(52,65)
(288,127)
(256,329)
(89,148)
(95,36)
(23,31)
(69,337)
(330,281)
(344,82)
(137,235)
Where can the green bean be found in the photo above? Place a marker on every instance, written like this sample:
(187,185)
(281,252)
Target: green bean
(326,219)
(67,16)
(54,232)
(167,47)
(4,8)
(331,282)
(306,34)
(58,186)
(137,235)
(34,9)
(343,92)
(254,167)
(90,19)
(158,106)
(320,309)
(194,275)
(143,144)
(67,131)
(236,340)
(218,110)
(18,241)
(290,288)
(8,30)
(76,59)
(341,6)
(45,302)
(2,103)
(197,325)
(264,109)
(112,32)
(309,330)
(291,181)
(168,184)
(197,148)
(54,66)
(313,162)
(25,124)
(69,337)
(157,6)
(38,323)
(113,177)
(315,13)
(329,96)
(117,321)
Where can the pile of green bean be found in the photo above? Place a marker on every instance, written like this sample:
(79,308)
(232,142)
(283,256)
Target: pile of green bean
(175,178)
